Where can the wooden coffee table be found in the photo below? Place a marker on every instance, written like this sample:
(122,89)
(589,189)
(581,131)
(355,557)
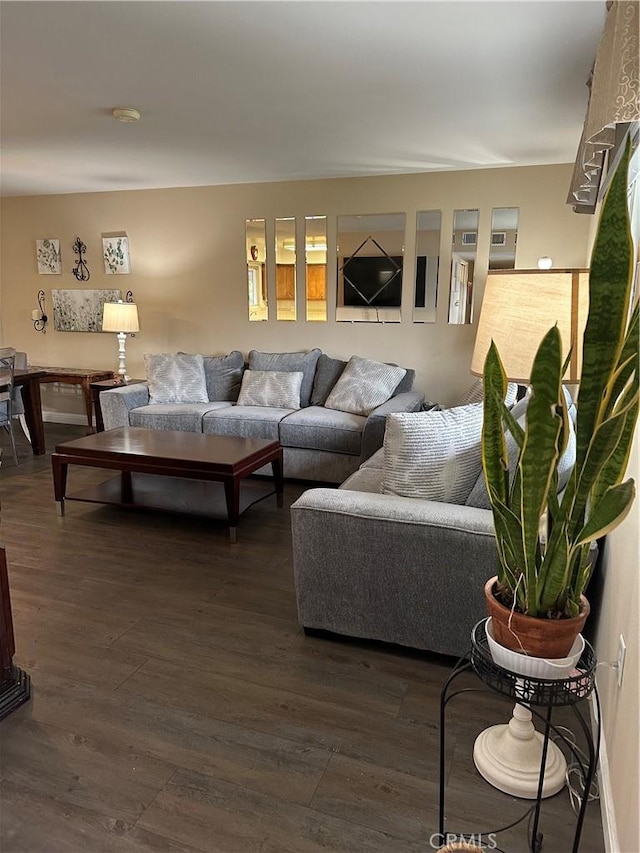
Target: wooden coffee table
(197,465)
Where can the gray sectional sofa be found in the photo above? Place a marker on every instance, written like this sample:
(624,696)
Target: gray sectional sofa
(405,569)
(320,443)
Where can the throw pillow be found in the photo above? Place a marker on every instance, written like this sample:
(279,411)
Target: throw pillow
(479,497)
(434,455)
(176,378)
(277,388)
(224,375)
(363,386)
(475,394)
(328,371)
(289,361)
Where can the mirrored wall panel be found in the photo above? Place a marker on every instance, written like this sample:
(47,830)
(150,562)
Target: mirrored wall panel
(315,254)
(504,238)
(428,226)
(286,268)
(463,260)
(256,248)
(370,261)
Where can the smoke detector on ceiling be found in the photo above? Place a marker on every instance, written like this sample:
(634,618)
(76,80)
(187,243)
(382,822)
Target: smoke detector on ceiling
(126,114)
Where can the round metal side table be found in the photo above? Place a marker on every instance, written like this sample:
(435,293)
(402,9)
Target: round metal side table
(540,697)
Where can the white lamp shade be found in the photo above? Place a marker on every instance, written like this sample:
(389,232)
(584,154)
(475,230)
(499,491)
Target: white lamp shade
(120,317)
(518,309)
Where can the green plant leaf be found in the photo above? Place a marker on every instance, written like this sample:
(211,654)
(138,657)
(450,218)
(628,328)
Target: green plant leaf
(539,455)
(609,297)
(610,510)
(494,448)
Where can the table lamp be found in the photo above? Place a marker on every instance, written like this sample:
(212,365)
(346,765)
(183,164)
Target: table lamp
(518,309)
(122,318)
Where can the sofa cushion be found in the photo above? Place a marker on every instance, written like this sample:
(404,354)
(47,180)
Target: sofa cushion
(364,480)
(278,388)
(434,455)
(364,385)
(318,428)
(176,378)
(244,421)
(479,496)
(184,417)
(223,375)
(292,362)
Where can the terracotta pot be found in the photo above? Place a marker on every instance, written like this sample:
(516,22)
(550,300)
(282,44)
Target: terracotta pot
(532,635)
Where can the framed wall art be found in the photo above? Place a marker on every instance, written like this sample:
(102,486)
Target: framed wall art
(49,257)
(115,252)
(80,310)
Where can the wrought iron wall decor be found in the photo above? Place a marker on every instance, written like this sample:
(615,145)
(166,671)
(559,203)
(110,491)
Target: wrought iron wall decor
(81,270)
(39,316)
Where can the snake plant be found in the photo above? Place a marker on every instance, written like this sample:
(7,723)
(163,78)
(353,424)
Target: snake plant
(543,539)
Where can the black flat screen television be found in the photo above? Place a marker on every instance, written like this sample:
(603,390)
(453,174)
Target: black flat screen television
(372,281)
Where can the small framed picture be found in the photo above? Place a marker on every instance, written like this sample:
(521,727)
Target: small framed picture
(115,252)
(48,257)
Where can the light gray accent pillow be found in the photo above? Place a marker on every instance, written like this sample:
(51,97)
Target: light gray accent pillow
(279,389)
(479,496)
(475,394)
(289,361)
(363,386)
(176,378)
(436,455)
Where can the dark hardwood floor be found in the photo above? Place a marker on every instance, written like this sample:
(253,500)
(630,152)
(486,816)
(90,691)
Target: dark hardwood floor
(178,707)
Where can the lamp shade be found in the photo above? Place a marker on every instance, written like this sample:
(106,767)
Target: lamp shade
(518,309)
(120,317)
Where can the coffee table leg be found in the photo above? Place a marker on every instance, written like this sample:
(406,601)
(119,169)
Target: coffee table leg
(126,488)
(59,481)
(278,479)
(232,495)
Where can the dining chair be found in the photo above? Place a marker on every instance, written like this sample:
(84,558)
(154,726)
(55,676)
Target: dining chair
(18,405)
(7,366)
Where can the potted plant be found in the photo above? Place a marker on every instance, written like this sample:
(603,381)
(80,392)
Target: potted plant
(543,539)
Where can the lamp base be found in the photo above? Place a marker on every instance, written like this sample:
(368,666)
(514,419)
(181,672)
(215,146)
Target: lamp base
(509,758)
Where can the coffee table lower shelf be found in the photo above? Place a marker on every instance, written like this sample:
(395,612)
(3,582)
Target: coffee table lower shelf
(204,498)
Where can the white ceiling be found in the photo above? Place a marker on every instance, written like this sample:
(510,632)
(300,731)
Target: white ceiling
(236,92)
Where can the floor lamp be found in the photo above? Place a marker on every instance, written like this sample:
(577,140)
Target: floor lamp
(518,309)
(122,318)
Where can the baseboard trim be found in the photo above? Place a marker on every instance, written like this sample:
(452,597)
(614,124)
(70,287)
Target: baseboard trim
(607,808)
(63,418)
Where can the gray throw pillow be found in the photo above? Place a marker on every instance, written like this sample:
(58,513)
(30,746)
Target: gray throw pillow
(363,386)
(176,378)
(434,455)
(223,374)
(279,389)
(328,371)
(289,361)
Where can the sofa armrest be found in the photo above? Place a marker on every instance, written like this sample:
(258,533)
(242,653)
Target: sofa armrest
(116,403)
(373,434)
(389,568)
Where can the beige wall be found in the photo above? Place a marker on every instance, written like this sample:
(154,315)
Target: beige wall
(189,276)
(619,612)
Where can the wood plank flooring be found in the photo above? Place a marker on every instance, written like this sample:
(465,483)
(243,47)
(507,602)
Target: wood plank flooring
(177,707)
